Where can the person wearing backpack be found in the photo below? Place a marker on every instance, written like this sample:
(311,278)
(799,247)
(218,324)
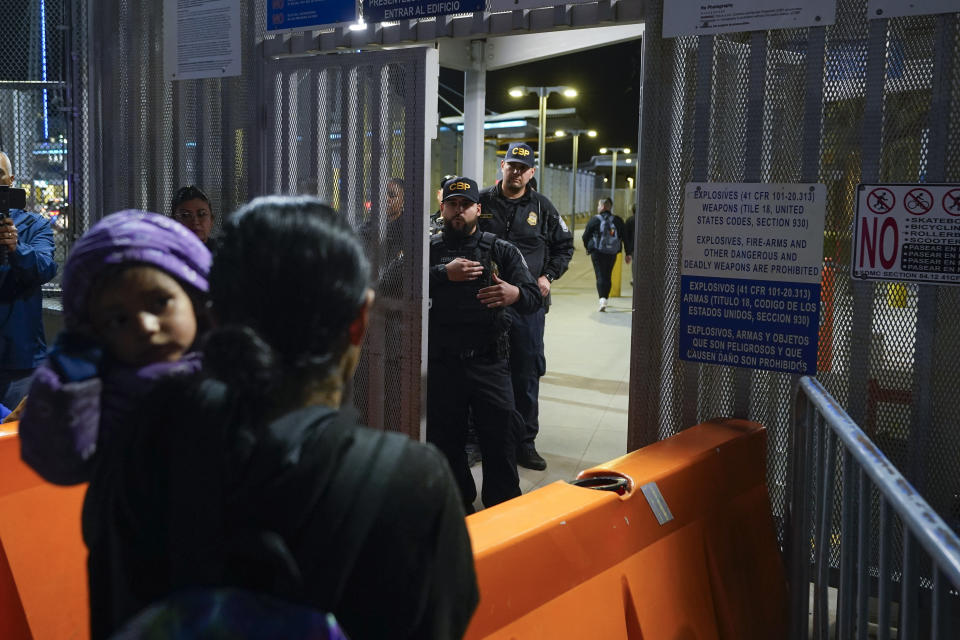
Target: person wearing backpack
(603,239)
(257,475)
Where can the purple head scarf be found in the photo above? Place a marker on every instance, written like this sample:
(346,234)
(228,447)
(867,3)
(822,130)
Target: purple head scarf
(131,236)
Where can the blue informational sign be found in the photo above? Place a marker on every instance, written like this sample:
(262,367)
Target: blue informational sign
(750,275)
(387,10)
(760,324)
(284,15)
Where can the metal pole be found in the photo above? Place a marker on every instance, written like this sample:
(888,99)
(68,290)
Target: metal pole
(474,99)
(613,178)
(573,184)
(542,142)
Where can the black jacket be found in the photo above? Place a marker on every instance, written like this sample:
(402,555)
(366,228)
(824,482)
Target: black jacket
(457,318)
(533,224)
(593,229)
(197,497)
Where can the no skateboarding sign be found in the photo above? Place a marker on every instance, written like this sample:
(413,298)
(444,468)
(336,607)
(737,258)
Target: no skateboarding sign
(907,232)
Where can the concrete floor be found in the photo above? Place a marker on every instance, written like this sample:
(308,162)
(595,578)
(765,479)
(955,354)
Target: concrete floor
(584,395)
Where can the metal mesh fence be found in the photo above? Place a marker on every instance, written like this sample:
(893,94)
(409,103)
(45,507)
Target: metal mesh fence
(858,101)
(34,109)
(157,135)
(331,126)
(350,130)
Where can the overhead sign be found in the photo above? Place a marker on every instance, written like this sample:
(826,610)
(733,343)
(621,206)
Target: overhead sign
(385,10)
(201,39)
(877,9)
(697,18)
(750,275)
(298,15)
(508,5)
(907,232)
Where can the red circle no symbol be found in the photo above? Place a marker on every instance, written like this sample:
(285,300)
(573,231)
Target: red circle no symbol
(881,200)
(918,201)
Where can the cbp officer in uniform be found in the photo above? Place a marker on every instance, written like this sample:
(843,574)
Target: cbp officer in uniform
(474,278)
(514,211)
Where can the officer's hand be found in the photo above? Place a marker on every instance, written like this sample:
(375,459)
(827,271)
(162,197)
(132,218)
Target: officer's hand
(544,285)
(461,270)
(500,294)
(8,234)
(628,258)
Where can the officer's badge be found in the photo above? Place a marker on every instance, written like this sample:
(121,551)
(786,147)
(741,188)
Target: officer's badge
(532,219)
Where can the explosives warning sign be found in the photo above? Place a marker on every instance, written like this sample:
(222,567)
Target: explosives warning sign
(750,275)
(907,232)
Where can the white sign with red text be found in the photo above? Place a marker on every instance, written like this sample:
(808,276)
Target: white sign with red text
(907,232)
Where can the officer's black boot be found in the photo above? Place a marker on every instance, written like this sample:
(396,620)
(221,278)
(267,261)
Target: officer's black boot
(528,457)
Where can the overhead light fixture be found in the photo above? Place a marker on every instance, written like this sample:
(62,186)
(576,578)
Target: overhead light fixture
(359,25)
(516,92)
(627,150)
(603,149)
(502,124)
(592,133)
(629,160)
(560,133)
(570,92)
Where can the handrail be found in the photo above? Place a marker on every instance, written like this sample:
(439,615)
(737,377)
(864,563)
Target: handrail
(936,537)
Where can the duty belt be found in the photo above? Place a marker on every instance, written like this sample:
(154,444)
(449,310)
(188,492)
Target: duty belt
(468,354)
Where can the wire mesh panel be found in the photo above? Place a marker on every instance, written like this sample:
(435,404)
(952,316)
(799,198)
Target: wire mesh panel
(857,101)
(350,129)
(34,108)
(152,135)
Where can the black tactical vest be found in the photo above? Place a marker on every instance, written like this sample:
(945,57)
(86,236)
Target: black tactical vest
(454,305)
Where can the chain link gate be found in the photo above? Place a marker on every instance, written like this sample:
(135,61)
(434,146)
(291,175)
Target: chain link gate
(151,135)
(35,112)
(352,130)
(859,101)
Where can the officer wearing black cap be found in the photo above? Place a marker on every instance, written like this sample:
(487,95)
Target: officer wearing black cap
(474,278)
(514,211)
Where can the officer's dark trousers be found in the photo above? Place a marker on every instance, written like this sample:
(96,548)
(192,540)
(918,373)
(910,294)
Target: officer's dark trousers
(527,366)
(603,268)
(482,384)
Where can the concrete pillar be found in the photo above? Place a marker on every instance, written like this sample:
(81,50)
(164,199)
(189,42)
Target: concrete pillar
(474,102)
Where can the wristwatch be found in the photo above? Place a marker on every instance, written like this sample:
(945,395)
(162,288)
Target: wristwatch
(548,277)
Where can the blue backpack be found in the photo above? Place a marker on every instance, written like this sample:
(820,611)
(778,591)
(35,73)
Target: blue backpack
(608,238)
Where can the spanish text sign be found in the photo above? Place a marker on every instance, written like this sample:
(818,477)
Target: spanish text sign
(294,15)
(750,275)
(907,232)
(697,18)
(384,10)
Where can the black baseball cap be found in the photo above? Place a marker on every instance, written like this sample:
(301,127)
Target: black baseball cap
(519,152)
(461,186)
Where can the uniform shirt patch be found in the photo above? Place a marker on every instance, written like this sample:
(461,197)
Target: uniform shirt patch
(532,218)
(563,224)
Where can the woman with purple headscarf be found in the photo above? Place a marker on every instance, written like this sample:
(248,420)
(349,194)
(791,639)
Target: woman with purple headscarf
(133,288)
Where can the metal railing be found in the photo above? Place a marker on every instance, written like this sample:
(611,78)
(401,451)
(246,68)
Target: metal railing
(852,548)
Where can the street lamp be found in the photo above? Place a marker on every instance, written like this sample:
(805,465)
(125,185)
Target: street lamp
(573,175)
(543,93)
(613,176)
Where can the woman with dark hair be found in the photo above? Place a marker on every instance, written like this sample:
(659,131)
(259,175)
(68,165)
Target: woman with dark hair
(191,208)
(253,476)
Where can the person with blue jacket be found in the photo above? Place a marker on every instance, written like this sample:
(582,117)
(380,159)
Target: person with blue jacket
(26,242)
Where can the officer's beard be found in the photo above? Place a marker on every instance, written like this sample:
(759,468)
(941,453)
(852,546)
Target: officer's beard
(459,231)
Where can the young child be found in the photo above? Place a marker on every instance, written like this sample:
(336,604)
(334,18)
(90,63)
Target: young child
(133,289)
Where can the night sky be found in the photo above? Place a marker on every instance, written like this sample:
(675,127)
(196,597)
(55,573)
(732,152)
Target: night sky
(607,78)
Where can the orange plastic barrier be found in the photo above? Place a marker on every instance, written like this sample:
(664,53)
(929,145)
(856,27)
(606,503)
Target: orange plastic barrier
(570,562)
(43,575)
